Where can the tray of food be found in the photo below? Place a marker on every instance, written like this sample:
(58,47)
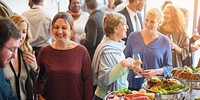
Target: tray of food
(190,75)
(125,94)
(166,88)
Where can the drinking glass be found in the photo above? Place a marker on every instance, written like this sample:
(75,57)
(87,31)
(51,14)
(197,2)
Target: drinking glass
(137,63)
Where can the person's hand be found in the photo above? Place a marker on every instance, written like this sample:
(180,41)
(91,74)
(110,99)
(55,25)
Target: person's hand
(196,36)
(81,37)
(31,60)
(149,73)
(40,97)
(129,63)
(173,45)
(136,70)
(194,47)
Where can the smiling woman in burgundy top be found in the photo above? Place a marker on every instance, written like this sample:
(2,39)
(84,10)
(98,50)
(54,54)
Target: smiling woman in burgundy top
(65,66)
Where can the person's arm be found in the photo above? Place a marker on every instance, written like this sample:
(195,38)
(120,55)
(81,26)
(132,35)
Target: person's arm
(111,68)
(87,76)
(167,61)
(40,80)
(198,27)
(196,36)
(31,60)
(91,34)
(183,47)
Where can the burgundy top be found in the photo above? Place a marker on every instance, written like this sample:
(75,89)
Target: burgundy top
(65,74)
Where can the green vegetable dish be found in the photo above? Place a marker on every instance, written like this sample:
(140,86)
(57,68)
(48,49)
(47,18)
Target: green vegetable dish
(165,86)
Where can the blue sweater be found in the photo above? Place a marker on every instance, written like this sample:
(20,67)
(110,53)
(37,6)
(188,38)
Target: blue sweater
(154,55)
(5,88)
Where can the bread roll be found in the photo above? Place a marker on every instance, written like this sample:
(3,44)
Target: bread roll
(177,72)
(195,76)
(184,76)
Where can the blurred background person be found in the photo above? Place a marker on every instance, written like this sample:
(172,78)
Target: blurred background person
(195,46)
(110,68)
(117,2)
(5,11)
(93,29)
(175,27)
(121,6)
(9,42)
(133,16)
(166,2)
(30,3)
(80,18)
(109,7)
(65,67)
(153,47)
(188,60)
(22,70)
(40,25)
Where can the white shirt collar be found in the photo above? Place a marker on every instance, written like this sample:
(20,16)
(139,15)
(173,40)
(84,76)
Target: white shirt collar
(37,7)
(131,13)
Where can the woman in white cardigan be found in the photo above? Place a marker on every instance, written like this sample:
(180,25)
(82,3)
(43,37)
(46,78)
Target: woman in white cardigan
(110,68)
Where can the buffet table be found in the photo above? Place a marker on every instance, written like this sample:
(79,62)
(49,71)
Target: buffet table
(194,94)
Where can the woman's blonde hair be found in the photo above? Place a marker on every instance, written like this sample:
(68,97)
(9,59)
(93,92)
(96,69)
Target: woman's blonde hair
(157,13)
(25,46)
(112,20)
(177,19)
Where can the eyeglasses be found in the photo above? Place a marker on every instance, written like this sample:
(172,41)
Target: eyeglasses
(11,50)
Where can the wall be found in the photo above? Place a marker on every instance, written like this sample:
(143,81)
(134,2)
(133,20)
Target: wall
(53,6)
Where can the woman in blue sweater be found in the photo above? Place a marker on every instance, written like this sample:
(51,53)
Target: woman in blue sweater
(154,48)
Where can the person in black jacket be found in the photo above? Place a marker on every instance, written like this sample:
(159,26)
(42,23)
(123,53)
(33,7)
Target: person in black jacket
(93,29)
(133,16)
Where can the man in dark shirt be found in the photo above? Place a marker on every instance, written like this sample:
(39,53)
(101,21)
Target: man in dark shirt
(93,29)
(9,42)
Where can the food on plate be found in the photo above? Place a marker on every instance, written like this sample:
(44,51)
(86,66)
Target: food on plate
(188,70)
(155,81)
(125,94)
(172,81)
(177,72)
(195,76)
(164,86)
(187,73)
(184,76)
(142,91)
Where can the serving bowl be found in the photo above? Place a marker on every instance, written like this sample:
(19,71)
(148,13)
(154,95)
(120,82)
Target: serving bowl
(181,94)
(193,84)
